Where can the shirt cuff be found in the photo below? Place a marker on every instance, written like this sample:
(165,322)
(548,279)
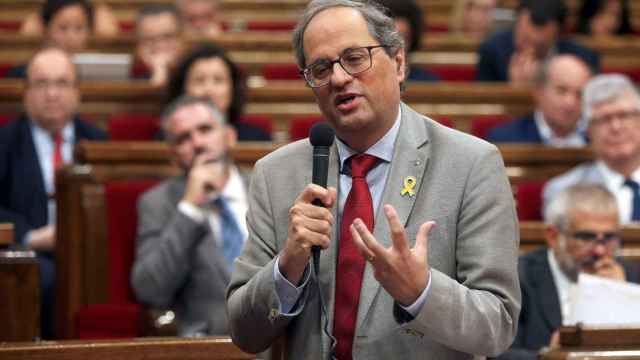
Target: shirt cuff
(288,294)
(192,212)
(415,308)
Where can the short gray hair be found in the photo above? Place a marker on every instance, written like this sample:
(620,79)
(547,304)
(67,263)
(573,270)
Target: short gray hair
(187,100)
(587,197)
(381,27)
(604,88)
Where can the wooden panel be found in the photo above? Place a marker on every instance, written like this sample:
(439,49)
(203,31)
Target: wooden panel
(209,348)
(587,343)
(20,296)
(6,234)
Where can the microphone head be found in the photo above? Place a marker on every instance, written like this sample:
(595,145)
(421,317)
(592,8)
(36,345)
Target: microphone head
(321,134)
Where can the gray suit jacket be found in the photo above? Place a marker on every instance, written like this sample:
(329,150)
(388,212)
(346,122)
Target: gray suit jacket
(584,173)
(179,264)
(474,299)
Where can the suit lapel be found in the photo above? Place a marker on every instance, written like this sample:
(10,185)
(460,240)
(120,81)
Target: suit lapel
(549,302)
(410,158)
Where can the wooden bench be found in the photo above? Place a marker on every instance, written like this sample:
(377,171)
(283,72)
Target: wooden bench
(6,235)
(20,296)
(207,348)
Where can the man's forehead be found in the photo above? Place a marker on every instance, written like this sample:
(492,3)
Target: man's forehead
(337,29)
(51,63)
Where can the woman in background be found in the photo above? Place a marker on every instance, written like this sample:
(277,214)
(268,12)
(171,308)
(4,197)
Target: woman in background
(604,18)
(207,71)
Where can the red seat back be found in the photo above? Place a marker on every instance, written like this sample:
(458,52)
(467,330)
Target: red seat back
(131,127)
(299,127)
(454,72)
(121,199)
(529,200)
(481,125)
(281,72)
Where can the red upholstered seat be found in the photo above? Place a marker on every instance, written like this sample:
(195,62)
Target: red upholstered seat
(129,127)
(529,200)
(299,127)
(454,72)
(632,73)
(445,120)
(481,125)
(5,119)
(281,72)
(262,121)
(120,315)
(270,25)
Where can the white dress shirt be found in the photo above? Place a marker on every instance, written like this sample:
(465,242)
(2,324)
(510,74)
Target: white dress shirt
(614,182)
(564,285)
(575,139)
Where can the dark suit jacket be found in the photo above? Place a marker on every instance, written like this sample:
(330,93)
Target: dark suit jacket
(521,130)
(23,198)
(495,53)
(540,315)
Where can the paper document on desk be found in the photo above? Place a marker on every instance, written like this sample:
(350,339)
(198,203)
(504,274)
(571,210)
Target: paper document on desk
(600,301)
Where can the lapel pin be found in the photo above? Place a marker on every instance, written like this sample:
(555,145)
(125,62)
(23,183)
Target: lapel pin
(409,184)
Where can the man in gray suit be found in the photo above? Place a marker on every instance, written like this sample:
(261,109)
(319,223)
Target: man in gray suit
(186,240)
(441,292)
(611,105)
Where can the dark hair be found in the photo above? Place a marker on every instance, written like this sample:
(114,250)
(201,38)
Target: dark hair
(545,11)
(591,8)
(158,9)
(410,11)
(51,7)
(177,83)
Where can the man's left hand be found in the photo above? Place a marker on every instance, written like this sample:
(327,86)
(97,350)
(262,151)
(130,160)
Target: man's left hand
(402,271)
(609,268)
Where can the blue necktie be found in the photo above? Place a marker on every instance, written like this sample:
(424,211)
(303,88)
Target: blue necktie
(634,186)
(231,234)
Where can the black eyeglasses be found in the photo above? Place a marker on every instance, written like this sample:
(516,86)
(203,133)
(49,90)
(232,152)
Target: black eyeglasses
(353,61)
(591,238)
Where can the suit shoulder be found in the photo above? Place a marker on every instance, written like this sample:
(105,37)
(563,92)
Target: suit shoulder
(159,193)
(89,131)
(300,150)
(445,137)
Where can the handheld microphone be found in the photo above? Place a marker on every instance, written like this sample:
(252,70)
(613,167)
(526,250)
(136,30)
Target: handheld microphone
(321,137)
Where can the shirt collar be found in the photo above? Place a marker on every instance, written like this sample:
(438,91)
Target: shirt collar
(234,190)
(614,179)
(561,279)
(66,133)
(383,149)
(576,138)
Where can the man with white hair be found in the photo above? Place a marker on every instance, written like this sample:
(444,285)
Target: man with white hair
(582,235)
(611,106)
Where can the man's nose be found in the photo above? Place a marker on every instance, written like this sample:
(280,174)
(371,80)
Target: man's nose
(340,76)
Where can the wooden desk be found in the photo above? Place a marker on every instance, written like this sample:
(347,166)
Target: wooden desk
(207,348)
(6,235)
(19,296)
(589,343)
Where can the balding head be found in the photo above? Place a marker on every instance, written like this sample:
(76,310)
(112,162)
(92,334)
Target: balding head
(51,97)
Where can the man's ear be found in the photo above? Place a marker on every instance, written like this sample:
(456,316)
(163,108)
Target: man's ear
(401,63)
(231,136)
(551,235)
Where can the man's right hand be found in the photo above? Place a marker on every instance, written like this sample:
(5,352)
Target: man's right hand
(43,238)
(523,67)
(309,225)
(206,176)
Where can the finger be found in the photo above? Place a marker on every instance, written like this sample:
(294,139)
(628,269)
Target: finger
(367,238)
(360,245)
(422,238)
(397,229)
(312,192)
(308,211)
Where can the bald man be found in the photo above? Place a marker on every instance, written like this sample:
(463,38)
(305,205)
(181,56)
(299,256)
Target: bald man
(31,148)
(557,118)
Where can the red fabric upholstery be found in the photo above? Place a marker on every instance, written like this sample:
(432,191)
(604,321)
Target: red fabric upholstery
(270,25)
(633,73)
(299,127)
(10,25)
(262,121)
(5,119)
(125,127)
(529,200)
(108,321)
(454,72)
(446,121)
(481,125)
(119,317)
(281,72)
(4,69)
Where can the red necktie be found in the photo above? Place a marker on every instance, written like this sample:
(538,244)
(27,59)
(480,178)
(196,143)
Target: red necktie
(350,263)
(57,152)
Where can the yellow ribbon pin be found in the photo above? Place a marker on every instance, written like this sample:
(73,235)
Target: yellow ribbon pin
(409,184)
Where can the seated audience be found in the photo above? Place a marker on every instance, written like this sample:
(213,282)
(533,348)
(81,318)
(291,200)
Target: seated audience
(582,235)
(409,21)
(32,147)
(515,54)
(604,18)
(67,25)
(557,119)
(104,24)
(192,227)
(201,18)
(611,106)
(208,71)
(472,18)
(158,41)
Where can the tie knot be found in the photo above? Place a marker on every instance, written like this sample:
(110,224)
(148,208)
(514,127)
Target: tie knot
(632,184)
(361,164)
(57,138)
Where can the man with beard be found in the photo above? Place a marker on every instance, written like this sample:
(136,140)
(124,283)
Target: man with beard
(582,235)
(192,227)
